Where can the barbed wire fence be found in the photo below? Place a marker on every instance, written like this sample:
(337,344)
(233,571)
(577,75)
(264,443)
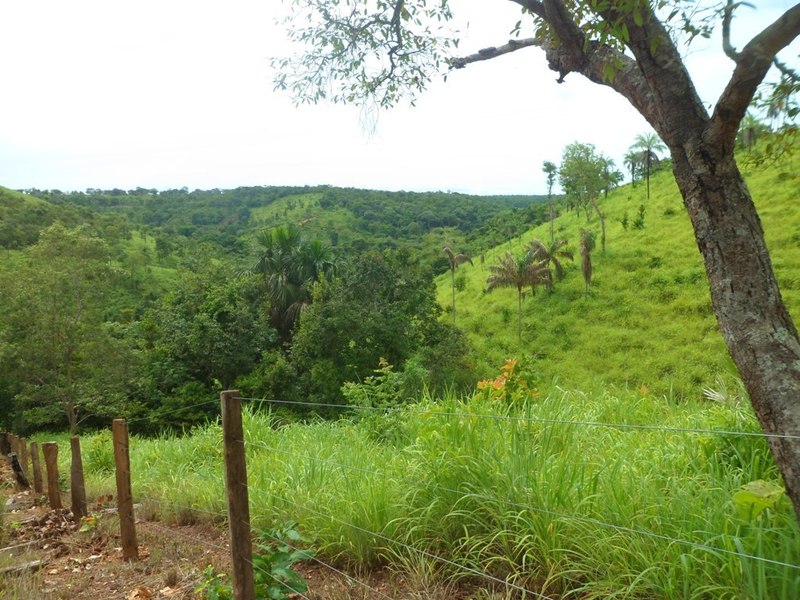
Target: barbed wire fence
(238,492)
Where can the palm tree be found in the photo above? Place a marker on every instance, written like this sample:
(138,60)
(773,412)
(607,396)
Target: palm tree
(750,129)
(551,254)
(648,144)
(631,160)
(519,273)
(551,170)
(290,264)
(586,247)
(611,176)
(455,260)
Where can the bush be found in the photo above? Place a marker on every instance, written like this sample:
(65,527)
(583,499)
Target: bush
(97,453)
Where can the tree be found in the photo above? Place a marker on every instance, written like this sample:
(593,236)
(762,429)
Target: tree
(551,254)
(289,265)
(378,306)
(208,330)
(631,160)
(390,50)
(584,174)
(67,364)
(648,145)
(519,273)
(454,260)
(611,176)
(750,130)
(550,170)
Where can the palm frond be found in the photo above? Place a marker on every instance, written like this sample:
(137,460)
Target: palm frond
(456,259)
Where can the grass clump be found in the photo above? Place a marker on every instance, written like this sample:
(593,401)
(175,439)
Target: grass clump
(557,491)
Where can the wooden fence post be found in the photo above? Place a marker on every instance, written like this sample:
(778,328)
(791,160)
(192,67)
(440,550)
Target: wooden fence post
(51,463)
(127,522)
(238,504)
(23,456)
(37,468)
(5,442)
(77,485)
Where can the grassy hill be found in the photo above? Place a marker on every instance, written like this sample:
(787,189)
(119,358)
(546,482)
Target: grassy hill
(647,320)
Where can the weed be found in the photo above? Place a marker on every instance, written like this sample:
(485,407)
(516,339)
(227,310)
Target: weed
(272,569)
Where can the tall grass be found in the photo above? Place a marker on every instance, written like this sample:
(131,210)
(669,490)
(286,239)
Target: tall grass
(576,510)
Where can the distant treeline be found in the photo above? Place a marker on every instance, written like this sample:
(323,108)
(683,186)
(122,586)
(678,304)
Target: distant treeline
(353,220)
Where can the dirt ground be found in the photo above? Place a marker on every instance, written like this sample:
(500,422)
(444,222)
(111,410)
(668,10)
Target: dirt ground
(61,559)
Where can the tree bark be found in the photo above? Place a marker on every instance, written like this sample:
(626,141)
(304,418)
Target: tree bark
(758,331)
(760,335)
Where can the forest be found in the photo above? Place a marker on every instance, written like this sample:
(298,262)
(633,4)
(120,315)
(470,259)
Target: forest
(148,299)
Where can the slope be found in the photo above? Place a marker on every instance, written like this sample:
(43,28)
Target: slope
(647,321)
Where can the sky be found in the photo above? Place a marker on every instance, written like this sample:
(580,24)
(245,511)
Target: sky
(172,93)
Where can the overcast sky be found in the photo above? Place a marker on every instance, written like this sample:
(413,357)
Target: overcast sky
(173,93)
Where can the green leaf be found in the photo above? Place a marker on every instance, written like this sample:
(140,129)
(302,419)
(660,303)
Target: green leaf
(755,497)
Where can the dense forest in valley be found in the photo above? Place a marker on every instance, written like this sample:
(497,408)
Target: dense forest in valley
(146,300)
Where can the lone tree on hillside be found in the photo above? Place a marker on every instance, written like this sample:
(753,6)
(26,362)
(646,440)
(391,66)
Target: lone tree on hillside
(382,52)
(648,145)
(520,273)
(455,260)
(551,170)
(584,174)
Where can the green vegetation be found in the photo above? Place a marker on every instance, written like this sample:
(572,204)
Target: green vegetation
(647,319)
(629,503)
(581,510)
(272,568)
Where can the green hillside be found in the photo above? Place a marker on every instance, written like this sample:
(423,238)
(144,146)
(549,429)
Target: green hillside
(647,320)
(347,219)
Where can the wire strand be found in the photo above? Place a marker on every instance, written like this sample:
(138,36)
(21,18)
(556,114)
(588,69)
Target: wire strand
(407,546)
(621,426)
(171,412)
(164,502)
(561,515)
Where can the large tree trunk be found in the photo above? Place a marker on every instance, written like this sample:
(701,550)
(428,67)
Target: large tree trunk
(760,335)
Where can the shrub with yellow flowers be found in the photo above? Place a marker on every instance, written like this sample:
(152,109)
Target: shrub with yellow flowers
(511,385)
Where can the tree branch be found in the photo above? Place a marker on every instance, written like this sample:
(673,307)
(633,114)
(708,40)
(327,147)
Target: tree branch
(672,97)
(492,52)
(727,17)
(752,65)
(534,6)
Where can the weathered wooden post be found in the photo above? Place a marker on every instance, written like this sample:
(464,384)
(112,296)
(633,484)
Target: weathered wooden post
(238,503)
(127,522)
(5,443)
(77,485)
(37,468)
(23,457)
(51,463)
